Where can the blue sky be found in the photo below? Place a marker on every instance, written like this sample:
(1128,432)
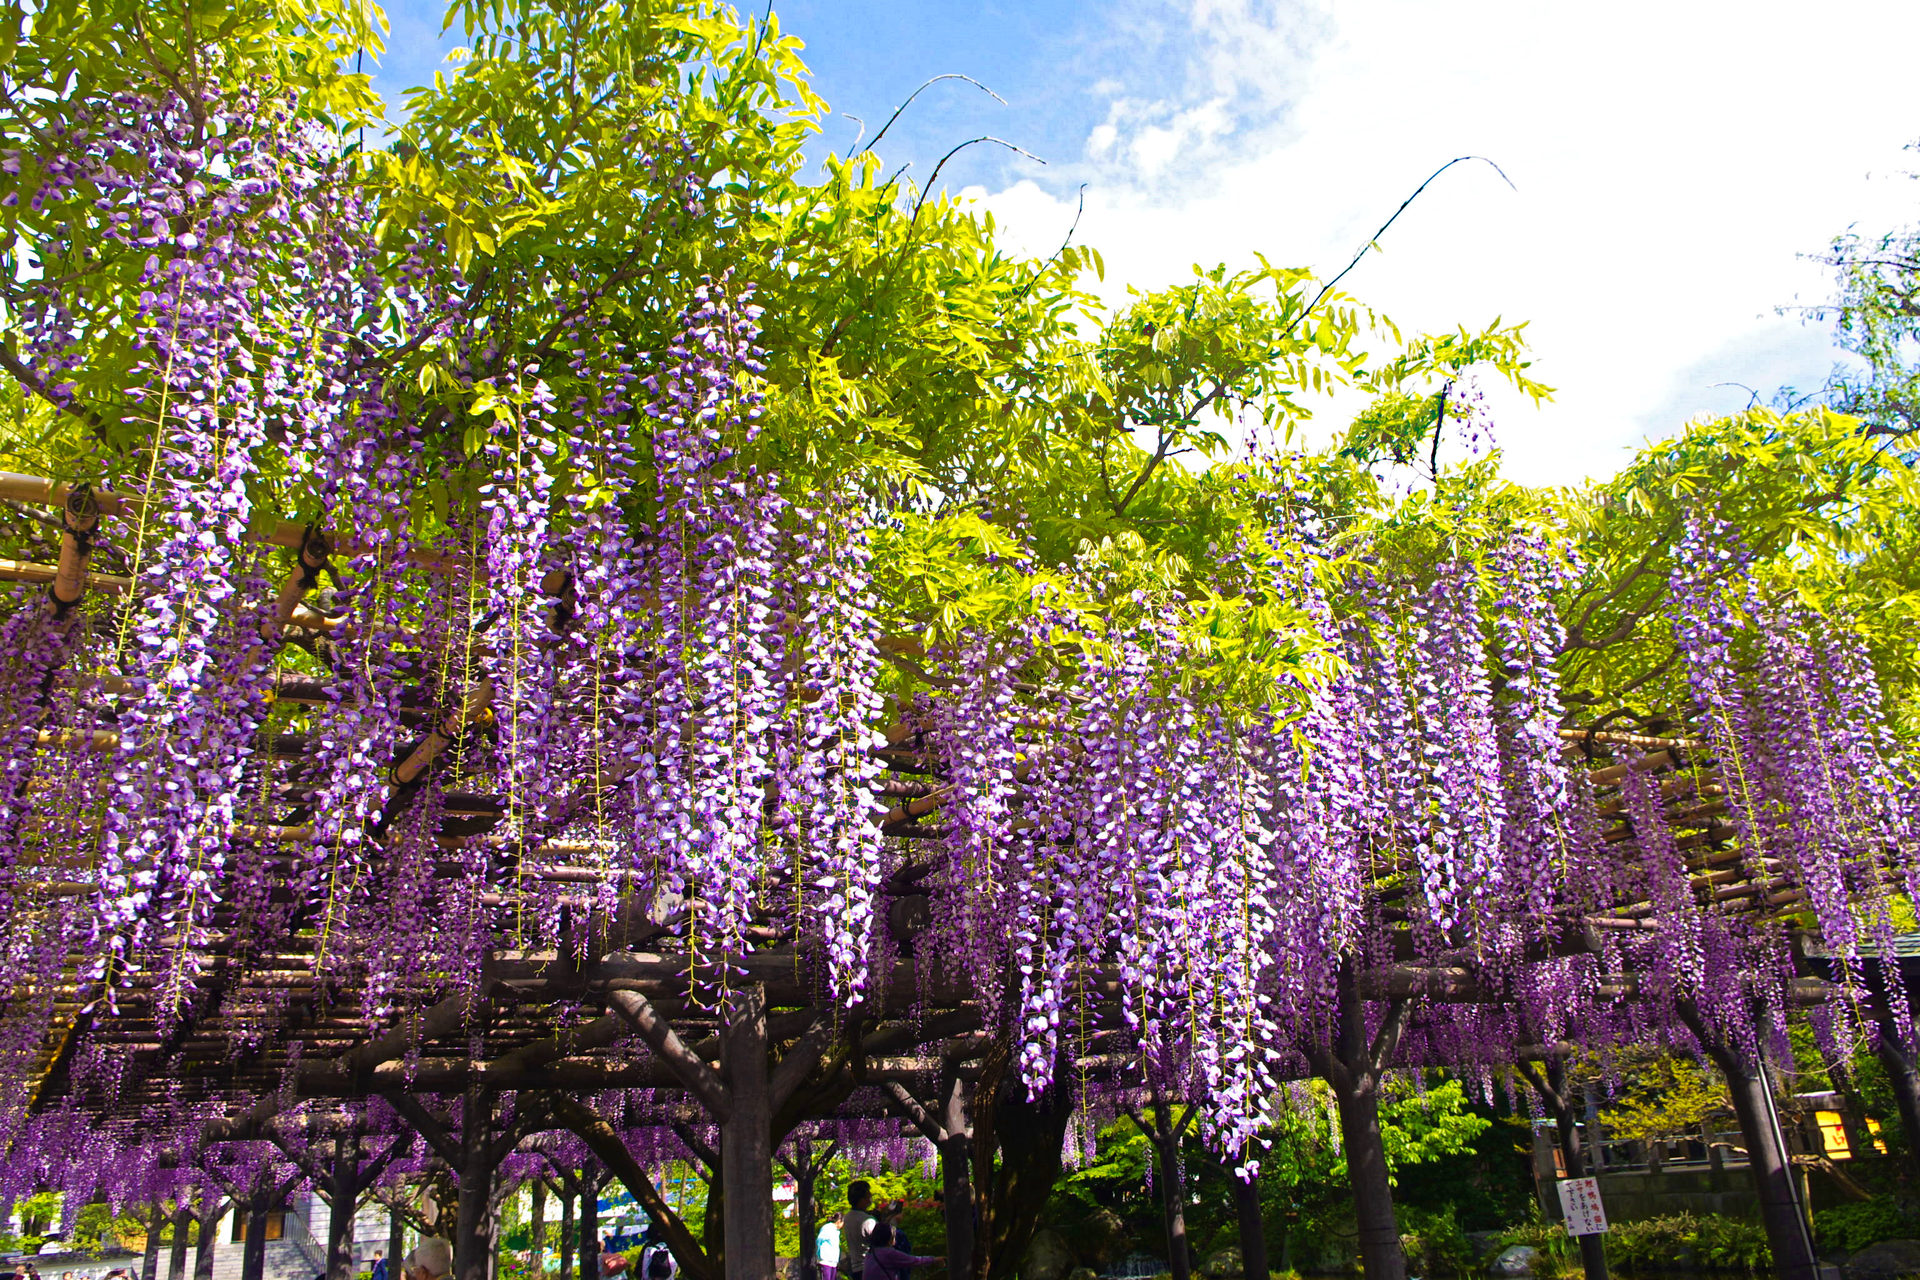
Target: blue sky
(1673,163)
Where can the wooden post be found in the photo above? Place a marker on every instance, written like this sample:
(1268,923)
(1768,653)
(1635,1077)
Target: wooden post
(212,1209)
(956,1173)
(473,1230)
(1164,1131)
(396,1241)
(805,1213)
(567,1236)
(182,1228)
(1550,1084)
(742,1097)
(948,1126)
(1253,1229)
(343,1194)
(746,1147)
(253,1252)
(589,1224)
(1352,1065)
(1788,1233)
(150,1256)
(537,1229)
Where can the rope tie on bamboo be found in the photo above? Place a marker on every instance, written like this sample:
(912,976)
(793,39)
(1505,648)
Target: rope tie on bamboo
(80,515)
(316,556)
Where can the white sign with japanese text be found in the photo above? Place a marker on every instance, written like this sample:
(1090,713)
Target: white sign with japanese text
(1580,1201)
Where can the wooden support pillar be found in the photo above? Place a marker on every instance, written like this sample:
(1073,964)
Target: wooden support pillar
(589,1224)
(182,1228)
(1903,1075)
(340,1178)
(956,1174)
(1550,1083)
(253,1252)
(806,1215)
(473,1237)
(1253,1229)
(212,1210)
(1353,1064)
(806,1165)
(341,1190)
(746,1145)
(1789,1235)
(742,1097)
(567,1239)
(947,1124)
(396,1241)
(475,1153)
(150,1256)
(1165,1130)
(537,1229)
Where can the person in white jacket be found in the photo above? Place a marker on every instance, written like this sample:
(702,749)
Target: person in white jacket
(826,1250)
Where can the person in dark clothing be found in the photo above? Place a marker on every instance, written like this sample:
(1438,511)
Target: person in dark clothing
(379,1271)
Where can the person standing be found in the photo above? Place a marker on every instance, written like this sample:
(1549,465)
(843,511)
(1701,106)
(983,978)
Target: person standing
(885,1262)
(856,1226)
(379,1270)
(826,1251)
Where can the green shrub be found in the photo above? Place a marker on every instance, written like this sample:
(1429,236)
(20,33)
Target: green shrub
(1686,1241)
(1852,1227)
(1556,1248)
(1434,1242)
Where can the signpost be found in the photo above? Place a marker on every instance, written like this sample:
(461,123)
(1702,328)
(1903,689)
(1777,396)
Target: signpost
(1580,1203)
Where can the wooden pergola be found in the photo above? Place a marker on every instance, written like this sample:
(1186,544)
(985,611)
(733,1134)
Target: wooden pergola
(628,1001)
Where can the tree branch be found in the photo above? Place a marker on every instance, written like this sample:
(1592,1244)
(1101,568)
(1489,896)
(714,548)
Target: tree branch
(692,1142)
(912,1109)
(798,1062)
(700,1079)
(612,1152)
(427,1126)
(1387,1039)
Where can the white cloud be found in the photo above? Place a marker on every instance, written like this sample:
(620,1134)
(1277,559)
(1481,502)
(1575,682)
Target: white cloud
(1672,158)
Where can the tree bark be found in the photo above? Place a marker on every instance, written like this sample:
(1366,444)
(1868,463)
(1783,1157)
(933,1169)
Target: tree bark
(209,1221)
(1551,1086)
(589,1224)
(343,1197)
(537,1228)
(473,1226)
(1788,1234)
(150,1256)
(746,1150)
(182,1227)
(253,1253)
(568,1238)
(1253,1231)
(1381,1257)
(396,1242)
(1352,1065)
(1903,1074)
